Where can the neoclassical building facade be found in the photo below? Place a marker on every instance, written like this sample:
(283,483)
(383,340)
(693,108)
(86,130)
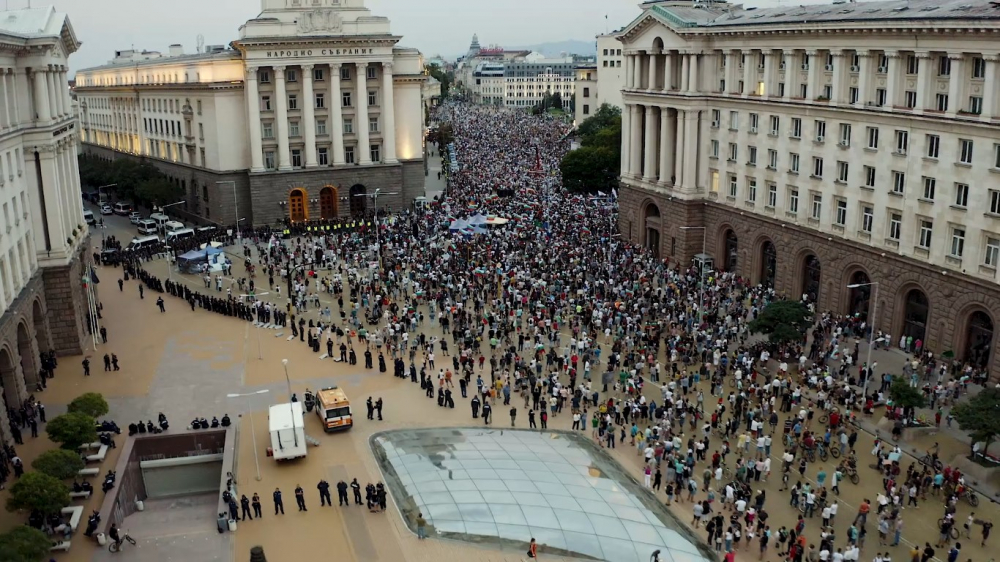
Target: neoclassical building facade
(822,146)
(312,108)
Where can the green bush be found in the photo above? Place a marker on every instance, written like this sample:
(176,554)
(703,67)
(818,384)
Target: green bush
(92,404)
(61,464)
(71,429)
(24,544)
(36,491)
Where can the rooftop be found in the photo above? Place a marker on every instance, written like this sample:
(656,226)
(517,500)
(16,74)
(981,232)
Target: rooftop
(36,23)
(131,63)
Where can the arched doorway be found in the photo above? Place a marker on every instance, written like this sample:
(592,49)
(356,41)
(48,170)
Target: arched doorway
(359,203)
(41,327)
(26,349)
(731,251)
(916,308)
(768,264)
(979,339)
(811,274)
(651,227)
(9,378)
(298,211)
(328,202)
(860,295)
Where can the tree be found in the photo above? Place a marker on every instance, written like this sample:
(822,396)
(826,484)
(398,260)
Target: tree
(72,429)
(606,116)
(783,321)
(158,191)
(24,544)
(60,464)
(980,416)
(906,397)
(36,491)
(590,169)
(91,403)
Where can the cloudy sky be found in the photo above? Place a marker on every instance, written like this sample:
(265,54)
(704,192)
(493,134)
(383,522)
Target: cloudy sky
(442,27)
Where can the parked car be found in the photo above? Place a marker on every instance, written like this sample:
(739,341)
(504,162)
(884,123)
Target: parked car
(123,209)
(107,210)
(134,217)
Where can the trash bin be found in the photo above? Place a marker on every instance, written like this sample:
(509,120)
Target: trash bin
(102,539)
(232,525)
(139,506)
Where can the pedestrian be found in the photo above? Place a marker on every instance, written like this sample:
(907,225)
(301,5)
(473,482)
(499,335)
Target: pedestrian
(513,415)
(255,502)
(421,526)
(121,285)
(245,505)
(324,493)
(356,487)
(342,494)
(378,408)
(141,296)
(278,505)
(300,498)
(114,362)
(104,335)
(86,366)
(159,303)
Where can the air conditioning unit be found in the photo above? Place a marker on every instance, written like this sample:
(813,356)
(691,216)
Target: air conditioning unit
(753,129)
(819,138)
(844,143)
(855,68)
(791,171)
(829,67)
(900,151)
(883,69)
(760,66)
(805,66)
(781,65)
(715,124)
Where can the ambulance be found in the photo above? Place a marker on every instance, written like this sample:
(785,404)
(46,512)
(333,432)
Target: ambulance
(333,409)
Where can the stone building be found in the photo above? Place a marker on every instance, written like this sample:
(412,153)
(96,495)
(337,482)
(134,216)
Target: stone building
(815,147)
(42,233)
(312,108)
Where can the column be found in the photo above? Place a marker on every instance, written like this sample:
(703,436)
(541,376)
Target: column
(650,156)
(54,108)
(924,71)
(691,151)
(693,85)
(309,114)
(41,88)
(16,77)
(791,60)
(626,140)
(668,70)
(770,73)
(838,87)
(956,83)
(281,118)
(685,74)
(653,57)
(7,92)
(680,149)
(813,87)
(67,100)
(668,134)
(361,115)
(388,115)
(990,87)
(253,122)
(864,78)
(635,144)
(336,115)
(749,71)
(732,71)
(629,71)
(892,80)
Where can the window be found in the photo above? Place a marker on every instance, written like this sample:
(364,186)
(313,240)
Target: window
(320,100)
(961,195)
(941,102)
(321,126)
(345,98)
(267,130)
(775,125)
(895,226)
(291,76)
(586,92)
(293,101)
(845,134)
(817,206)
(992,257)
(323,155)
(965,151)
(199,107)
(902,141)
(881,96)
(201,131)
(975,105)
(944,66)
(376,153)
(733,152)
(912,64)
(772,159)
(929,185)
(318,74)
(933,146)
(269,159)
(772,194)
(734,120)
(978,68)
(867,218)
(265,77)
(841,216)
(348,126)
(371,76)
(716,117)
(828,91)
(817,167)
(910,100)
(715,148)
(754,122)
(349,154)
(372,98)
(995,202)
(872,138)
(926,232)
(870,177)
(345,74)
(842,171)
(265,103)
(751,190)
(732,186)
(852,95)
(373,124)
(752,155)
(586,109)
(793,160)
(820,130)
(898,182)
(793,201)
(293,129)
(796,131)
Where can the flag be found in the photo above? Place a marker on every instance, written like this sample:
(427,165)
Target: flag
(93,276)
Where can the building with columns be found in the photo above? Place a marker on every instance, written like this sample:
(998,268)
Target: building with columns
(312,105)
(42,233)
(816,147)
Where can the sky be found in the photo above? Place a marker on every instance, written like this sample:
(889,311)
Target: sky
(436,27)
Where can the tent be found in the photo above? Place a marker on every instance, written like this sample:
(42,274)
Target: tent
(197,261)
(477,219)
(458,225)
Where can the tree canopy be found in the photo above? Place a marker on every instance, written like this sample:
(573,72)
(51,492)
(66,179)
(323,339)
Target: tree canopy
(91,403)
(128,178)
(71,429)
(445,78)
(61,464)
(158,191)
(783,321)
(595,166)
(24,544)
(906,396)
(37,491)
(980,416)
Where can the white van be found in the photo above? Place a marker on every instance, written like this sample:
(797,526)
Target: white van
(172,226)
(88,216)
(123,209)
(144,242)
(159,218)
(181,234)
(147,226)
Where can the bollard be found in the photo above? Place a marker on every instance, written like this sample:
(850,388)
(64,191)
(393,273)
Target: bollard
(257,554)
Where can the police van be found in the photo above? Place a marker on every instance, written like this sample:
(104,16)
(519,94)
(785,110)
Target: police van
(181,234)
(143,243)
(147,226)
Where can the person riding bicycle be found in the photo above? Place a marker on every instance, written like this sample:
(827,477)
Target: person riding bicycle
(113,533)
(933,453)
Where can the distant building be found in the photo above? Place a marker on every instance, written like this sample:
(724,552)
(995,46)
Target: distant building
(602,81)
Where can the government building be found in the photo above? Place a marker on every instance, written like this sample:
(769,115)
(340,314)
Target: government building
(813,148)
(306,116)
(43,236)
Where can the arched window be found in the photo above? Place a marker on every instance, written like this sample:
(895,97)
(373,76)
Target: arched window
(915,311)
(811,275)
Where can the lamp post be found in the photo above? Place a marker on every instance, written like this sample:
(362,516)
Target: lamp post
(236,207)
(100,203)
(374,196)
(253,432)
(701,273)
(291,407)
(871,333)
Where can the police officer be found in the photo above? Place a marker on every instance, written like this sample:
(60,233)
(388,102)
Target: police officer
(278,505)
(357,492)
(255,502)
(324,493)
(245,505)
(342,493)
(300,498)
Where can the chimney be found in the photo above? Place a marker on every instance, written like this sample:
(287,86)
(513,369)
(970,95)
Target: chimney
(176,50)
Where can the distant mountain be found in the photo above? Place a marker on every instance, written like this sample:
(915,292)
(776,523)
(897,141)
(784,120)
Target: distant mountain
(555,48)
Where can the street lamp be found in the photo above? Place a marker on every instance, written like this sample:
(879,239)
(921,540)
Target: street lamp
(236,207)
(100,202)
(871,333)
(701,274)
(291,407)
(253,432)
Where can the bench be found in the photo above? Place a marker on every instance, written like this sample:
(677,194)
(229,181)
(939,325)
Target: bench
(63,546)
(81,495)
(89,446)
(75,515)
(99,455)
(85,472)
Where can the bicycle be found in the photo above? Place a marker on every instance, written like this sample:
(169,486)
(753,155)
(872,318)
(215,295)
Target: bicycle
(117,546)
(954,530)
